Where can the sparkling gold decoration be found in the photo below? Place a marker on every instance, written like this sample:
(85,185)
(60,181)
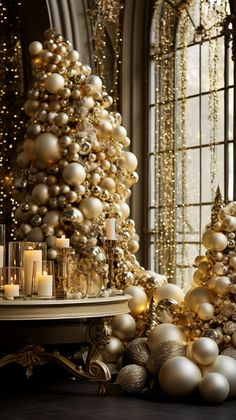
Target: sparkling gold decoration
(151,318)
(132,378)
(11,101)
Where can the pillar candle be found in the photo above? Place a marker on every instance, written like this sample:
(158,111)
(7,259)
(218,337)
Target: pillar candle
(62,242)
(12,290)
(111,229)
(45,285)
(29,256)
(1,255)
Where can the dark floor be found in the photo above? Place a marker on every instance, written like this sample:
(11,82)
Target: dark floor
(49,395)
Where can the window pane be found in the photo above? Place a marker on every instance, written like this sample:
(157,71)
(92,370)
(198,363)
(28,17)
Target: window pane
(231,172)
(193,70)
(151,137)
(231,114)
(207,120)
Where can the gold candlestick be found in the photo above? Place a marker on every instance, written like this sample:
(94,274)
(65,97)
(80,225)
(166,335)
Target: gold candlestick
(62,272)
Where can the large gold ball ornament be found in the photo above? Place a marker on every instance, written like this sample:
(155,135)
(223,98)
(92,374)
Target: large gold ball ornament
(119,133)
(165,332)
(204,351)
(138,303)
(132,378)
(123,326)
(163,352)
(108,183)
(71,218)
(222,285)
(35,48)
(206,237)
(91,207)
(52,218)
(74,173)
(226,366)
(129,161)
(46,148)
(198,295)
(133,246)
(30,107)
(205,311)
(229,224)
(54,82)
(169,291)
(179,376)
(214,388)
(40,194)
(113,350)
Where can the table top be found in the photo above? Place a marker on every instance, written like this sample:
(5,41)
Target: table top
(30,310)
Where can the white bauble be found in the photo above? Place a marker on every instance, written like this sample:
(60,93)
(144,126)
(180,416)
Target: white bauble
(218,241)
(205,311)
(179,376)
(54,82)
(214,388)
(73,55)
(169,291)
(204,351)
(222,285)
(119,133)
(226,366)
(93,85)
(165,332)
(129,161)
(124,209)
(35,48)
(74,173)
(46,148)
(91,207)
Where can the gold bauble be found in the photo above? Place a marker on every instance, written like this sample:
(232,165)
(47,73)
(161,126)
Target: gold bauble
(163,352)
(30,107)
(35,235)
(165,332)
(222,285)
(119,133)
(132,378)
(198,295)
(206,238)
(40,194)
(74,173)
(136,352)
(179,376)
(46,148)
(204,351)
(51,254)
(124,209)
(54,82)
(133,246)
(138,302)
(113,350)
(91,207)
(52,218)
(226,366)
(71,218)
(205,311)
(123,326)
(108,183)
(93,85)
(214,388)
(229,224)
(169,291)
(129,161)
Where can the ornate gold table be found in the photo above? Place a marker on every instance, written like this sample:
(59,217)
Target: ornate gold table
(31,325)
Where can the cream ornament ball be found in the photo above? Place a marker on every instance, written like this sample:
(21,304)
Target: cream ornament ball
(138,303)
(218,241)
(205,311)
(35,48)
(46,148)
(226,366)
(124,209)
(214,388)
(123,326)
(169,291)
(204,351)
(91,207)
(52,218)
(54,83)
(198,295)
(165,332)
(129,161)
(113,350)
(179,376)
(74,174)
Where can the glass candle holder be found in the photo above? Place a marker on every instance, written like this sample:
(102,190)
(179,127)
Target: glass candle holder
(23,254)
(43,284)
(12,282)
(2,244)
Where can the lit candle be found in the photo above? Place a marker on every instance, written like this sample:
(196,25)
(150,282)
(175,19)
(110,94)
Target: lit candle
(45,285)
(11,291)
(111,229)
(1,255)
(29,256)
(62,242)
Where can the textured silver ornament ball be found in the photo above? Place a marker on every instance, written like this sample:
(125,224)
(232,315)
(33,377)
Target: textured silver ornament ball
(136,352)
(163,352)
(214,388)
(132,378)
(179,376)
(123,326)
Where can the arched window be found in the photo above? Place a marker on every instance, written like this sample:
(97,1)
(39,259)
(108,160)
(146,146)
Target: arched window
(190,128)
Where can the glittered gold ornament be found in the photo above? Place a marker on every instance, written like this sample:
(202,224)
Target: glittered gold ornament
(214,388)
(132,378)
(179,376)
(123,326)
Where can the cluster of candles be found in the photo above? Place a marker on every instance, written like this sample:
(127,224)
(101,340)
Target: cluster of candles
(36,274)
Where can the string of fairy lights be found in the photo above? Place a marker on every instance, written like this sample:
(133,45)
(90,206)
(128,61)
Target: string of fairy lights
(11,99)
